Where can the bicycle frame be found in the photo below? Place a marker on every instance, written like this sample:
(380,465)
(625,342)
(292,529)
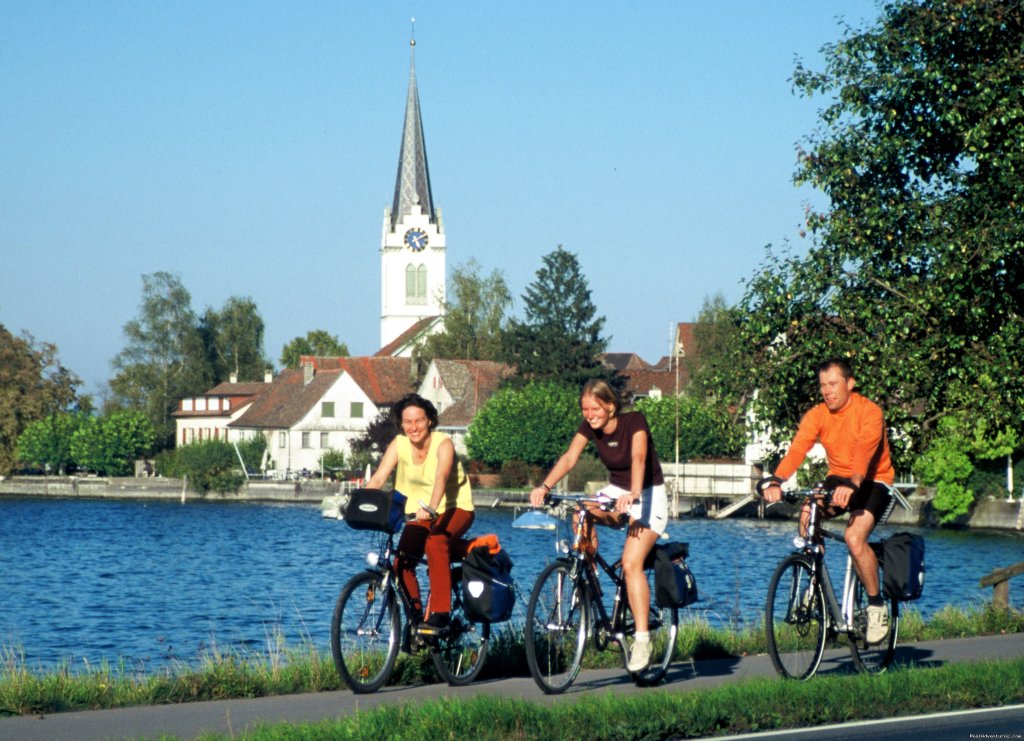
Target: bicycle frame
(813,545)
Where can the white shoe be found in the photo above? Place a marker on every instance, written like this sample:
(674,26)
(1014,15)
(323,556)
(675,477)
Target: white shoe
(878,624)
(639,657)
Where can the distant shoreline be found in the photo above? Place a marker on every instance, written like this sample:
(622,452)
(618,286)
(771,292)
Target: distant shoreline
(992,514)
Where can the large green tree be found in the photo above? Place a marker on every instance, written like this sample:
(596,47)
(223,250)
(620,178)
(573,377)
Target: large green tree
(475,319)
(33,386)
(46,443)
(561,337)
(916,269)
(109,445)
(164,358)
(533,424)
(233,338)
(316,342)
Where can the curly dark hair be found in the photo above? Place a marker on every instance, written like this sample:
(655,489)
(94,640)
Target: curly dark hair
(415,400)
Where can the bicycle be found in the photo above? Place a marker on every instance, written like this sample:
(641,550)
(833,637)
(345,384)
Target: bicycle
(367,628)
(566,608)
(801,610)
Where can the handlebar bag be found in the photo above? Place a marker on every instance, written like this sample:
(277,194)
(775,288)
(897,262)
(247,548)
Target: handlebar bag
(902,562)
(374,509)
(674,583)
(488,594)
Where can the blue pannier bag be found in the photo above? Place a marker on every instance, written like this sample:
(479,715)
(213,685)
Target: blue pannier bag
(902,562)
(488,594)
(374,509)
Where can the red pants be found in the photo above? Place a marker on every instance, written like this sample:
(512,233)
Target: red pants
(435,539)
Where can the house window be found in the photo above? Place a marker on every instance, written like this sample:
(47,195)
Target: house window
(356,410)
(416,284)
(325,441)
(282,439)
(327,409)
(305,440)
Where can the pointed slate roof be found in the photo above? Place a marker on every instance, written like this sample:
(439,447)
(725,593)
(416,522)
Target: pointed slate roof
(471,383)
(412,186)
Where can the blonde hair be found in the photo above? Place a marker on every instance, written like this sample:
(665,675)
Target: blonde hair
(603,392)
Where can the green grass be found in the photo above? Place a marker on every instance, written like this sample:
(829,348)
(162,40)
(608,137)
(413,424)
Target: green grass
(739,707)
(279,671)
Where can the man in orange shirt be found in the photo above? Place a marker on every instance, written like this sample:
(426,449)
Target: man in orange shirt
(852,431)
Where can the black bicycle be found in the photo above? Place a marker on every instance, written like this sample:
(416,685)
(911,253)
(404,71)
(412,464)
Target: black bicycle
(374,619)
(802,613)
(566,607)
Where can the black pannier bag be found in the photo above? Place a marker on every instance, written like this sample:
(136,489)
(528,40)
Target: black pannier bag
(902,560)
(674,583)
(487,591)
(373,509)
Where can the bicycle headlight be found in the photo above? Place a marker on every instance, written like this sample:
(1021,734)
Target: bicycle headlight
(373,558)
(562,546)
(799,542)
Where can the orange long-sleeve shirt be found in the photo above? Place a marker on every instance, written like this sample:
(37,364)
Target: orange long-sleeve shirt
(854,440)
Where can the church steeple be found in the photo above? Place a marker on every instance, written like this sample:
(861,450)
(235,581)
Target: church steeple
(412,185)
(413,243)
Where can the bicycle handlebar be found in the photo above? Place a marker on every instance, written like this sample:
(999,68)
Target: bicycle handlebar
(604,503)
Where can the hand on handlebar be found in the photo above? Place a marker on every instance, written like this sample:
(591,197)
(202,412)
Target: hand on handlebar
(538,495)
(770,487)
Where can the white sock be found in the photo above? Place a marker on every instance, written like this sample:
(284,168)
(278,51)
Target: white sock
(643,637)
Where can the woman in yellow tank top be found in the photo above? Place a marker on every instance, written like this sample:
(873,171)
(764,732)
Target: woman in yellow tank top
(438,494)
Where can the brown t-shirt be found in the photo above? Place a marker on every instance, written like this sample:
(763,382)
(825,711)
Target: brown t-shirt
(615,450)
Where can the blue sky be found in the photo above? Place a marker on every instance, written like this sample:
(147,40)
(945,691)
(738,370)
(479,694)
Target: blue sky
(250,148)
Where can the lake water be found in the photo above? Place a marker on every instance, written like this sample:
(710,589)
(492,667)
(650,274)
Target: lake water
(152,583)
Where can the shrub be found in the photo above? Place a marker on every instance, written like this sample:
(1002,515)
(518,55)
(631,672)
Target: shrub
(210,465)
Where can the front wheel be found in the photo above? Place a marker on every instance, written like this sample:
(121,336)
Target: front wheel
(872,658)
(794,618)
(459,656)
(556,628)
(364,632)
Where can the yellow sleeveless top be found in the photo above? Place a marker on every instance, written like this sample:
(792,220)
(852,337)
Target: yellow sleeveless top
(417,481)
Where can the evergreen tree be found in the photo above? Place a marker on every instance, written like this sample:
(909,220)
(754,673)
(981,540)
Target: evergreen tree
(560,339)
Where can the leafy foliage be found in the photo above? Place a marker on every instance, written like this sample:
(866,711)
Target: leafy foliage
(33,386)
(560,339)
(164,358)
(46,443)
(109,445)
(474,321)
(316,342)
(233,338)
(533,424)
(705,430)
(368,448)
(210,465)
(915,272)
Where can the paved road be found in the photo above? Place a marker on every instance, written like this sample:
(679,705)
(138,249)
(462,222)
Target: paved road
(188,720)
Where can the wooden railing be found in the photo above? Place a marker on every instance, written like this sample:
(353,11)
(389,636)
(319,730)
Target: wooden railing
(999,580)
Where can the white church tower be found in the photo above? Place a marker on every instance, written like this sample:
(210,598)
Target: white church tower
(412,247)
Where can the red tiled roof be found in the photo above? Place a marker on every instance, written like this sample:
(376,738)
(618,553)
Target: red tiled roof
(288,400)
(383,379)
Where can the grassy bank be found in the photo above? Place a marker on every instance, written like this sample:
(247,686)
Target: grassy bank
(307,669)
(747,706)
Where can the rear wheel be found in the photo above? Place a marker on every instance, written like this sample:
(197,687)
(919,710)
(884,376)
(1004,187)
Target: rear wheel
(364,632)
(459,656)
(795,618)
(872,658)
(556,628)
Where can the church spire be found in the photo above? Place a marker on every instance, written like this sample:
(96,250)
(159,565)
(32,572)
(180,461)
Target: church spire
(412,186)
